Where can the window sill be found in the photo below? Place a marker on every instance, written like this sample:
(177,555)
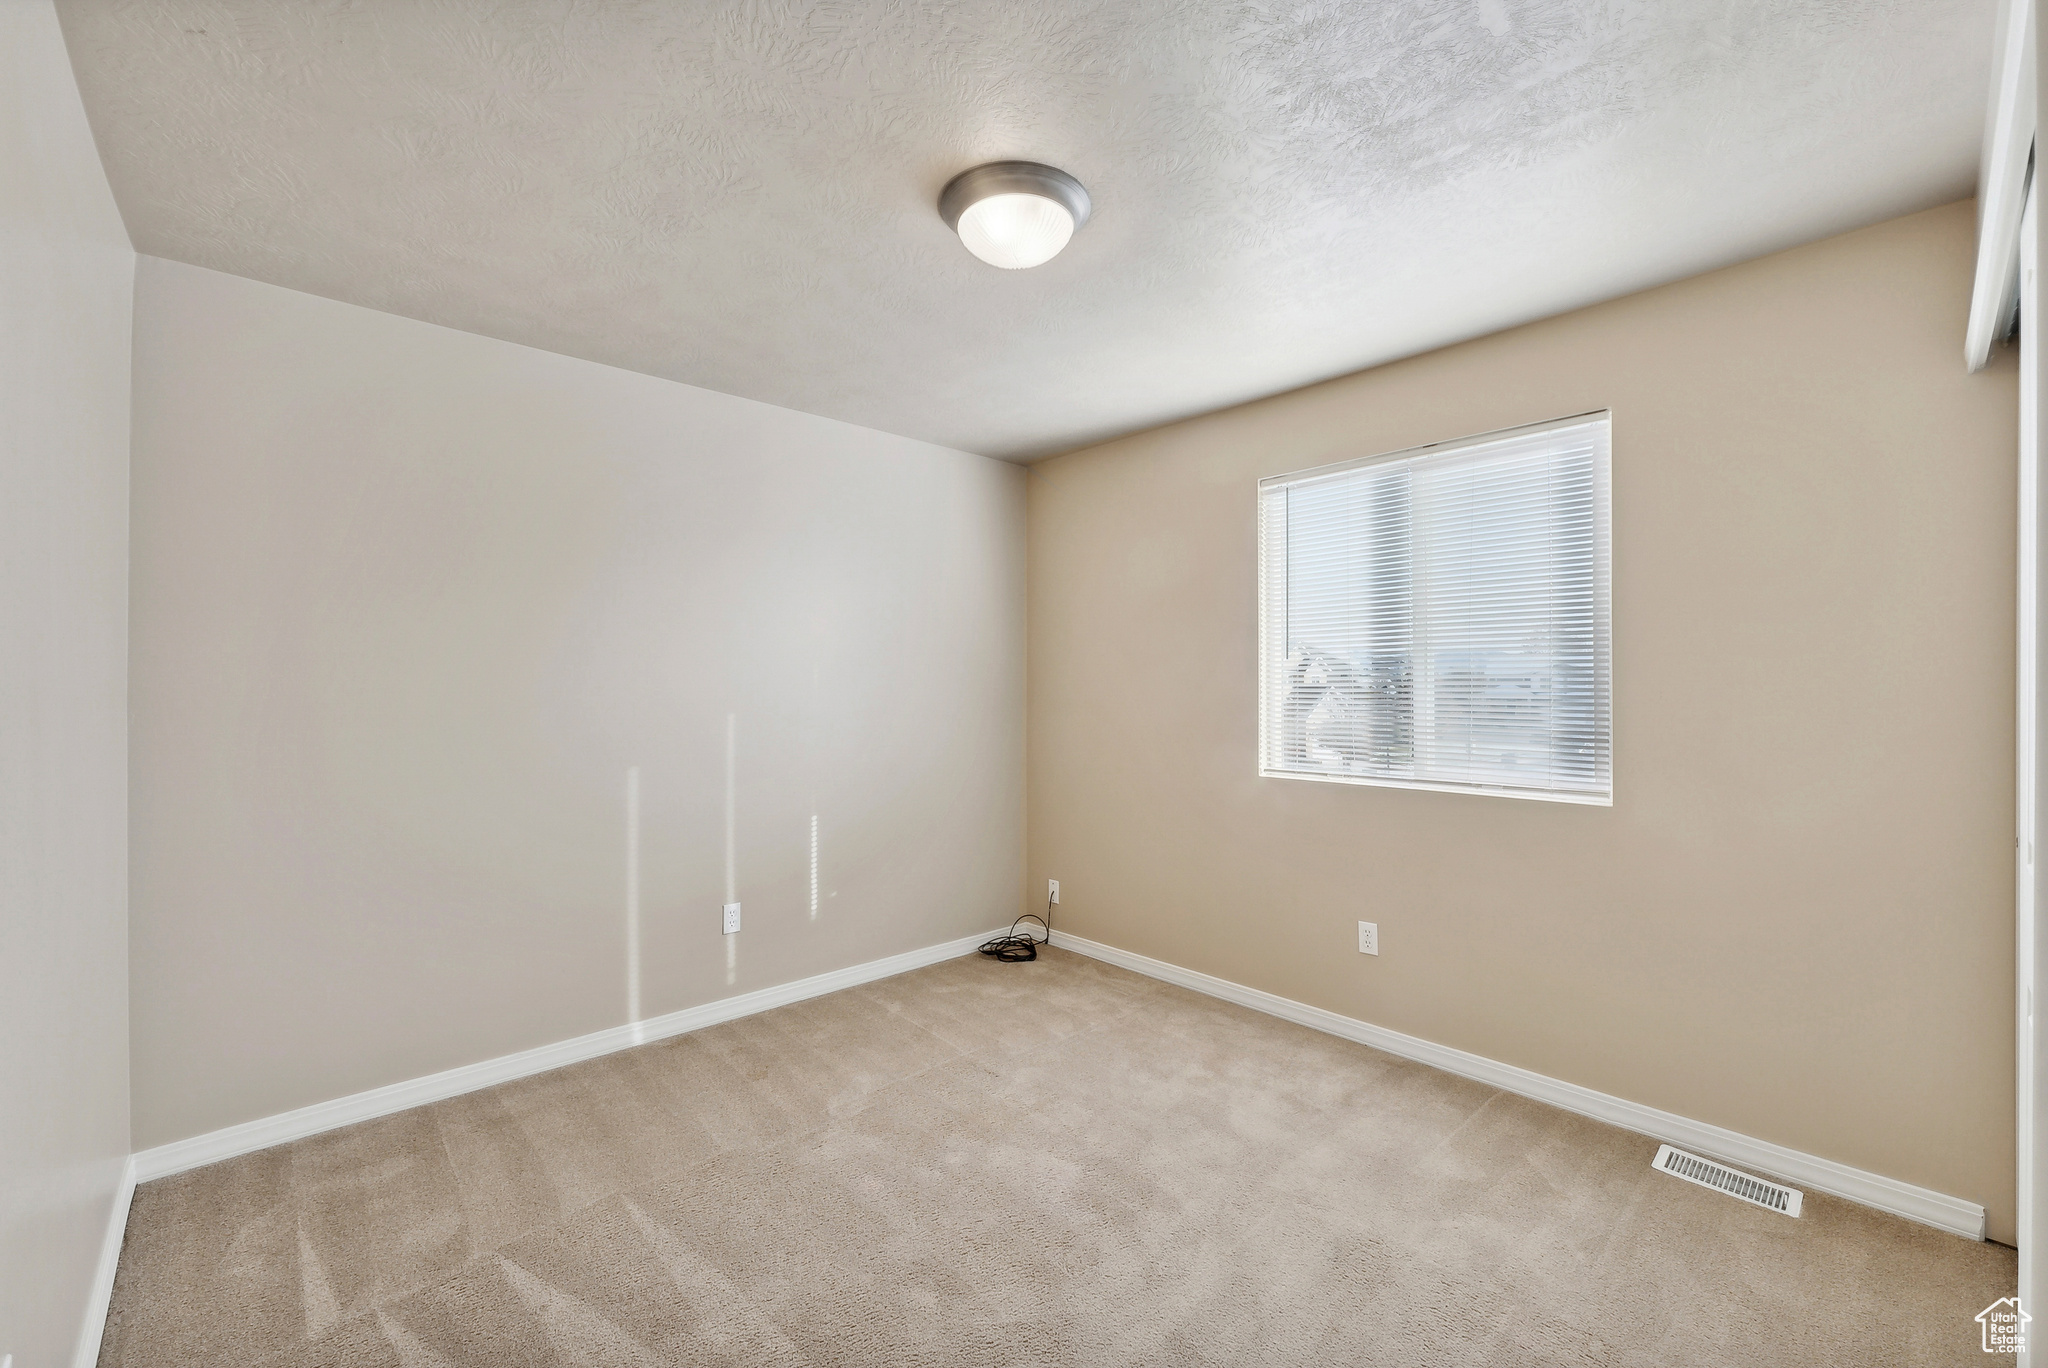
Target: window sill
(1477,790)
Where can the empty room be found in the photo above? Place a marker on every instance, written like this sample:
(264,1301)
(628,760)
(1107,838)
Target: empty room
(1021,683)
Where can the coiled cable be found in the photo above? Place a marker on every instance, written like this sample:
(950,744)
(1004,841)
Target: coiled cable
(1013,947)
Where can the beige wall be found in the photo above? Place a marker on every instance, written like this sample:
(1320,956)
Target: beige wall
(66,288)
(1796,920)
(410,604)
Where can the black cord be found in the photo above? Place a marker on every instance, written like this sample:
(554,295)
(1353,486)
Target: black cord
(1012,948)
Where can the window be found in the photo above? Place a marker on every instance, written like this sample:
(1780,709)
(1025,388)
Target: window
(1438,618)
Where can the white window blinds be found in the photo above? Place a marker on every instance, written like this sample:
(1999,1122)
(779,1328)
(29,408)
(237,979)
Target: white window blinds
(1438,618)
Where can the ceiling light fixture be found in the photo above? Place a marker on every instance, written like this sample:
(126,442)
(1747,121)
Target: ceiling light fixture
(1014,214)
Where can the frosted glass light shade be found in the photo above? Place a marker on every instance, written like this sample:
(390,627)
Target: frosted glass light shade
(1016,231)
(1014,214)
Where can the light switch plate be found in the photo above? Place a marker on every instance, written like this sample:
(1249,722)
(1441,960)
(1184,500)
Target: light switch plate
(732,918)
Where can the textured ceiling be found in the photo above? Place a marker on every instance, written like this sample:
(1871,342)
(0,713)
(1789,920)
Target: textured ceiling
(740,195)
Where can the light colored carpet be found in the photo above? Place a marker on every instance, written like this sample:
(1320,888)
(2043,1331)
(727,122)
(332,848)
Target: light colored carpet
(1048,1163)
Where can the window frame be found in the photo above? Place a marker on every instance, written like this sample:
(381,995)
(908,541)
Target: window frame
(1272,634)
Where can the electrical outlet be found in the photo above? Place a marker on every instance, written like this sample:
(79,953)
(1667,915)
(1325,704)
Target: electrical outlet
(1052,890)
(732,918)
(1368,938)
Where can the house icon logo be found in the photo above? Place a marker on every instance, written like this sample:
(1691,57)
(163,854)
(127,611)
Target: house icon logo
(2005,1326)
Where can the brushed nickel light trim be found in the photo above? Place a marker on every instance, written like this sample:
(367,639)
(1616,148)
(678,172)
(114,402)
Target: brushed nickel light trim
(1013,178)
(1040,236)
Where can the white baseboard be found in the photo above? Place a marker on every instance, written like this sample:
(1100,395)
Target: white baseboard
(1802,1170)
(250,1136)
(102,1293)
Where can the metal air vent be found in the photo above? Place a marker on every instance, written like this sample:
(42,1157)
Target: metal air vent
(1721,1178)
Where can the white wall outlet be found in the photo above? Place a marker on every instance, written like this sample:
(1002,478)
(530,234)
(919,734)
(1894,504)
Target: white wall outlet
(1368,938)
(1052,890)
(732,918)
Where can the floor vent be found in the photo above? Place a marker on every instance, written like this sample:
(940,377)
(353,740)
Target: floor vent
(1707,1173)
